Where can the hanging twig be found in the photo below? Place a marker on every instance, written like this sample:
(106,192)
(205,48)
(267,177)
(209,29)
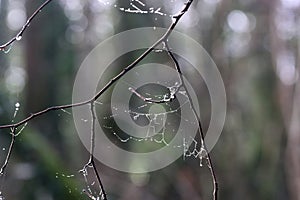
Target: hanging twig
(182,84)
(12,142)
(210,165)
(91,162)
(92,149)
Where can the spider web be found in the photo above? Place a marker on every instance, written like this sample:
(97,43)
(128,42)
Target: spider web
(160,129)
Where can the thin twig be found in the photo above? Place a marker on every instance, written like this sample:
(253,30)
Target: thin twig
(12,142)
(91,160)
(93,115)
(25,26)
(200,127)
(34,115)
(91,163)
(102,192)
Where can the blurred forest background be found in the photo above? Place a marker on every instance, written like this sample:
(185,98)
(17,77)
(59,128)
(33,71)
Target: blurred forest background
(256,46)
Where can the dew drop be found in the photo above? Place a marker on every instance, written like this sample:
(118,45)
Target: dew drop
(19,37)
(17,105)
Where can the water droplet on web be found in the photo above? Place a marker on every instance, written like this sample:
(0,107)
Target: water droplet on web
(200,164)
(115,108)
(183,93)
(98,102)
(84,120)
(19,37)
(154,28)
(142,106)
(166,97)
(17,107)
(3,149)
(63,110)
(136,116)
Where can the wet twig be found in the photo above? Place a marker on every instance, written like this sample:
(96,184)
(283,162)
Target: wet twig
(25,26)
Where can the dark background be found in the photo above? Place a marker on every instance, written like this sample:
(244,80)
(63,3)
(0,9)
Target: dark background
(255,44)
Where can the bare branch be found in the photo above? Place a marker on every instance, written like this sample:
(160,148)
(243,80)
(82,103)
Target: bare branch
(113,80)
(91,160)
(25,26)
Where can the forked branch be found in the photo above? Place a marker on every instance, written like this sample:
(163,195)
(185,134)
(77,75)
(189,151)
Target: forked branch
(200,126)
(113,80)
